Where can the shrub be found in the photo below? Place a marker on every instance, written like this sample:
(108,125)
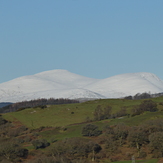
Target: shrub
(122,112)
(142,154)
(102,113)
(42,106)
(149,105)
(23,128)
(146,105)
(88,119)
(2,121)
(11,151)
(53,139)
(45,159)
(42,143)
(91,130)
(13,132)
(74,148)
(27,139)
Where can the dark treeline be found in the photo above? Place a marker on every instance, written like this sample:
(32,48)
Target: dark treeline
(145,95)
(35,103)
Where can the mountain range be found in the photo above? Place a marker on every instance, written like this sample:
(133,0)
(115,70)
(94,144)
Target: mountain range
(64,84)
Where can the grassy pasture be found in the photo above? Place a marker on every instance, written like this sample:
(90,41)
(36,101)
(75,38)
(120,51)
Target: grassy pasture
(139,161)
(63,115)
(67,121)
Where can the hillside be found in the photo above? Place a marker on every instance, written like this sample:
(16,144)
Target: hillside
(3,104)
(56,132)
(64,84)
(67,114)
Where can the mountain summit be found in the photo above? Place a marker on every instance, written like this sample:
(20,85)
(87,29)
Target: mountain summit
(64,84)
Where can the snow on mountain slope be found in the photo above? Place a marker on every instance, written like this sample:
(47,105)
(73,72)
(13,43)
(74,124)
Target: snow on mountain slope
(64,84)
(54,83)
(67,78)
(128,84)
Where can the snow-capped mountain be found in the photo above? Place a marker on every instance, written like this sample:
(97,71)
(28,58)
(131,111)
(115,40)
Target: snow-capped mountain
(64,84)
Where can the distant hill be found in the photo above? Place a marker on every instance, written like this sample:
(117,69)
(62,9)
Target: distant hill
(64,84)
(3,104)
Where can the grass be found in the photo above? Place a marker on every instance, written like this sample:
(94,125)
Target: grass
(63,115)
(75,130)
(66,121)
(60,116)
(139,161)
(66,115)
(54,116)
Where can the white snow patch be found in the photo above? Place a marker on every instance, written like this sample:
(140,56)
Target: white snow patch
(64,84)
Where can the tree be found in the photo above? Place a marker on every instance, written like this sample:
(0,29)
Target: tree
(94,148)
(110,144)
(100,114)
(148,105)
(152,126)
(42,143)
(91,130)
(139,96)
(74,148)
(11,151)
(121,132)
(107,112)
(108,130)
(137,138)
(2,121)
(156,143)
(122,112)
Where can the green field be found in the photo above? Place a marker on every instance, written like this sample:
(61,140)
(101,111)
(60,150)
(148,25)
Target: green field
(60,116)
(61,122)
(63,115)
(139,161)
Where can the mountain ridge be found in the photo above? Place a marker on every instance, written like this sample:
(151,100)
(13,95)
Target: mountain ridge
(64,84)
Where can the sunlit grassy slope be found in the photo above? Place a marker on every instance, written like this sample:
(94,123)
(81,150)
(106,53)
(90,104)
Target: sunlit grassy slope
(139,161)
(66,121)
(63,115)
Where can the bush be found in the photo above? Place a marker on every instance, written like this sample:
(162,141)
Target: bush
(146,105)
(23,128)
(91,130)
(142,154)
(42,143)
(102,113)
(12,151)
(27,139)
(45,159)
(42,106)
(149,105)
(74,148)
(2,121)
(13,132)
(122,112)
(53,139)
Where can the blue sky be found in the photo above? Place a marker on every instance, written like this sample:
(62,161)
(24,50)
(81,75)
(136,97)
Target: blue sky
(93,38)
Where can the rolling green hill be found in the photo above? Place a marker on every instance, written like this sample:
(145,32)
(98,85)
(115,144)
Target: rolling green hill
(59,124)
(63,115)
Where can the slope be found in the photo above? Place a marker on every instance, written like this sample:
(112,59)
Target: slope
(128,84)
(64,84)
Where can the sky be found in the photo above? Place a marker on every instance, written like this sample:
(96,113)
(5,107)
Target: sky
(92,38)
